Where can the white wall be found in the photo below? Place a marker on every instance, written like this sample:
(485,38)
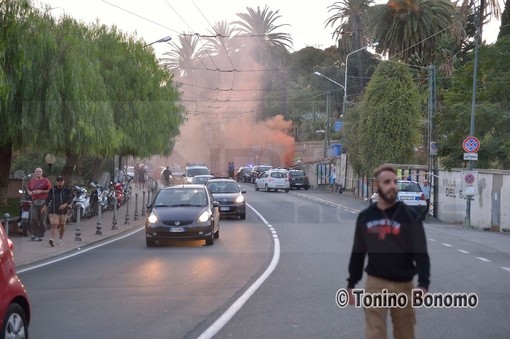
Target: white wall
(452,202)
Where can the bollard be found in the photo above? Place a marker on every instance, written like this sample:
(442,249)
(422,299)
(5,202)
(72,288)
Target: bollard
(114,222)
(98,227)
(126,221)
(6,223)
(77,232)
(143,203)
(136,207)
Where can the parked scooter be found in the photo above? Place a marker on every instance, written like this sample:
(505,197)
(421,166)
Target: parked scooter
(98,198)
(25,204)
(81,204)
(116,190)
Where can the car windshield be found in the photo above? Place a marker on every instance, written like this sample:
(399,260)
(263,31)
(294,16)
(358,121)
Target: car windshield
(191,172)
(297,173)
(278,175)
(408,187)
(264,168)
(223,187)
(181,197)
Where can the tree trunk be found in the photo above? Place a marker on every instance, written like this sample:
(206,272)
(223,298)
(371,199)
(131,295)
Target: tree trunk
(5,167)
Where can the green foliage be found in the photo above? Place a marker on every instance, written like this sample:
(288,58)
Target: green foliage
(492,110)
(387,126)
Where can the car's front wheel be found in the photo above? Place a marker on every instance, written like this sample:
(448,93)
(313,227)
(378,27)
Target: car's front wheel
(242,216)
(15,323)
(210,239)
(256,187)
(150,242)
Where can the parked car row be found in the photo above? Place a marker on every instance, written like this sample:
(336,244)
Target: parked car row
(249,174)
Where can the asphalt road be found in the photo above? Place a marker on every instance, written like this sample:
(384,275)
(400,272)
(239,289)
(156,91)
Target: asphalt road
(301,245)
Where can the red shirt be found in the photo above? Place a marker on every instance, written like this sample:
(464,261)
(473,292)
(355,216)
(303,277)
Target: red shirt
(42,184)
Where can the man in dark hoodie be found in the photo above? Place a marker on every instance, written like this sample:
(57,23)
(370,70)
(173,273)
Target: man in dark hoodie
(393,237)
(59,200)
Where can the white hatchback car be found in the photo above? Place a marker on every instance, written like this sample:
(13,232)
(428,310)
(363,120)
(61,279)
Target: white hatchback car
(273,179)
(410,193)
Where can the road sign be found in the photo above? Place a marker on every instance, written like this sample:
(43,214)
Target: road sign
(433,148)
(470,156)
(338,125)
(470,182)
(471,145)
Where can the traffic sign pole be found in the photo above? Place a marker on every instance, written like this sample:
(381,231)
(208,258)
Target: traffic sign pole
(471,145)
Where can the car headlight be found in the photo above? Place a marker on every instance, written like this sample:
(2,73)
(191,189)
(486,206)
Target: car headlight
(152,218)
(204,217)
(239,199)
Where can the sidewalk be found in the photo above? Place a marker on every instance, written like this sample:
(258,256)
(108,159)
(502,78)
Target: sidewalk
(28,252)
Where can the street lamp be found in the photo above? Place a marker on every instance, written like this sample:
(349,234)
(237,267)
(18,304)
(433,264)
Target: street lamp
(328,108)
(319,131)
(345,73)
(165,39)
(50,160)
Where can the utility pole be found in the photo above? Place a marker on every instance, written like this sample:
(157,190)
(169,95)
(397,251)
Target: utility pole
(467,220)
(430,138)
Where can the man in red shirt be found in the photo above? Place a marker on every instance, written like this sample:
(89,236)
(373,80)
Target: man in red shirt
(38,188)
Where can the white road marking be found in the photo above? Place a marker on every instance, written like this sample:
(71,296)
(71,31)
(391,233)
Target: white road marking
(483,259)
(447,245)
(463,251)
(432,239)
(236,306)
(505,268)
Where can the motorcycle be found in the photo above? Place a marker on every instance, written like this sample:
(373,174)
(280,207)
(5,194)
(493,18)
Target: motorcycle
(127,189)
(116,193)
(81,204)
(98,198)
(25,205)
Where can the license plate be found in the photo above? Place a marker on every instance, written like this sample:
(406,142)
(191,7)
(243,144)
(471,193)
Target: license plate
(406,198)
(176,229)
(25,215)
(298,184)
(224,208)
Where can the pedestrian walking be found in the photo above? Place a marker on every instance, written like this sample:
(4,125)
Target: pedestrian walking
(393,238)
(231,169)
(38,188)
(426,192)
(167,173)
(57,203)
(141,176)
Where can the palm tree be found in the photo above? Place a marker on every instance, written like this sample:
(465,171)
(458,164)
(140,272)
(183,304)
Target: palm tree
(269,46)
(185,56)
(261,26)
(352,18)
(412,29)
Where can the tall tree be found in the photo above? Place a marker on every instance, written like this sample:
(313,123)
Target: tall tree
(492,110)
(387,128)
(268,45)
(350,23)
(504,30)
(411,30)
(13,23)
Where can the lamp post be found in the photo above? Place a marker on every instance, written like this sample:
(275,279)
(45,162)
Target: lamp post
(328,108)
(345,73)
(165,39)
(50,160)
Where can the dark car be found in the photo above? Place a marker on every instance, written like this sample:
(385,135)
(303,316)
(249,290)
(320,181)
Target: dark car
(257,170)
(183,212)
(14,302)
(230,197)
(244,174)
(298,179)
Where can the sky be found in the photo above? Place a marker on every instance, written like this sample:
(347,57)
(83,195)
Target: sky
(155,19)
